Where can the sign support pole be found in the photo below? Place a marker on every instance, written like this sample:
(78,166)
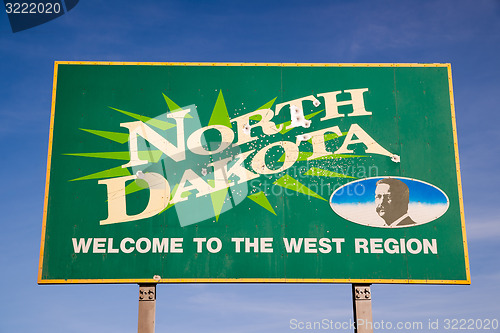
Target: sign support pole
(362,308)
(147,308)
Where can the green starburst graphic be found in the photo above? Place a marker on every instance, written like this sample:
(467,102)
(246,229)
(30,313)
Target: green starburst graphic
(219,116)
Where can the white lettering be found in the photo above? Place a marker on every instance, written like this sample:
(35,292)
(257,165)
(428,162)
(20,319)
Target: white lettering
(376,245)
(297,102)
(292,245)
(251,245)
(291,156)
(391,246)
(357,102)
(242,122)
(139,248)
(159,196)
(197,183)
(99,245)
(372,147)
(318,142)
(176,245)
(194,141)
(237,244)
(160,246)
(410,248)
(123,244)
(338,244)
(360,244)
(218,245)
(199,244)
(110,246)
(177,153)
(266,245)
(310,245)
(325,246)
(430,246)
(81,245)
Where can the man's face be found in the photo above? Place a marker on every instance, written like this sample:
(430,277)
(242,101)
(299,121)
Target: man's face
(384,201)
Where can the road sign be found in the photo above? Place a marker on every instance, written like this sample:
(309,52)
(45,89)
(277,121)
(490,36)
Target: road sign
(182,172)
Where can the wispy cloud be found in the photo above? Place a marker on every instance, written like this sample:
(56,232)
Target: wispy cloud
(478,229)
(232,303)
(390,26)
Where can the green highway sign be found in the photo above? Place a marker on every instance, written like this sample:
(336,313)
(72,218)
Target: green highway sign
(238,172)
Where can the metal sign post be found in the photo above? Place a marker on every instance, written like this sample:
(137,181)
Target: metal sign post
(147,308)
(362,308)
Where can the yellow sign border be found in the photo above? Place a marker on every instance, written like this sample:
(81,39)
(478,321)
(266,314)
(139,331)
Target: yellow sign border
(278,280)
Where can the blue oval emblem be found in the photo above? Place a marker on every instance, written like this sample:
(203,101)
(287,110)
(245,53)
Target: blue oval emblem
(389,202)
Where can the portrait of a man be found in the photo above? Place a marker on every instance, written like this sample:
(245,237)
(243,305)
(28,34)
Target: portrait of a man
(392,197)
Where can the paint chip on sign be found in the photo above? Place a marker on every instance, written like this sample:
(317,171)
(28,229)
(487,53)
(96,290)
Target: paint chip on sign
(297,117)
(303,137)
(246,129)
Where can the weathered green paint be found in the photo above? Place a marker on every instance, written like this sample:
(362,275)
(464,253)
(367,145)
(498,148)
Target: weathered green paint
(411,117)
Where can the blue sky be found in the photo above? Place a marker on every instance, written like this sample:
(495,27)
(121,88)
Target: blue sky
(463,33)
(364,192)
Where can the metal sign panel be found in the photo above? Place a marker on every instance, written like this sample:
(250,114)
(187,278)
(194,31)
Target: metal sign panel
(174,172)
